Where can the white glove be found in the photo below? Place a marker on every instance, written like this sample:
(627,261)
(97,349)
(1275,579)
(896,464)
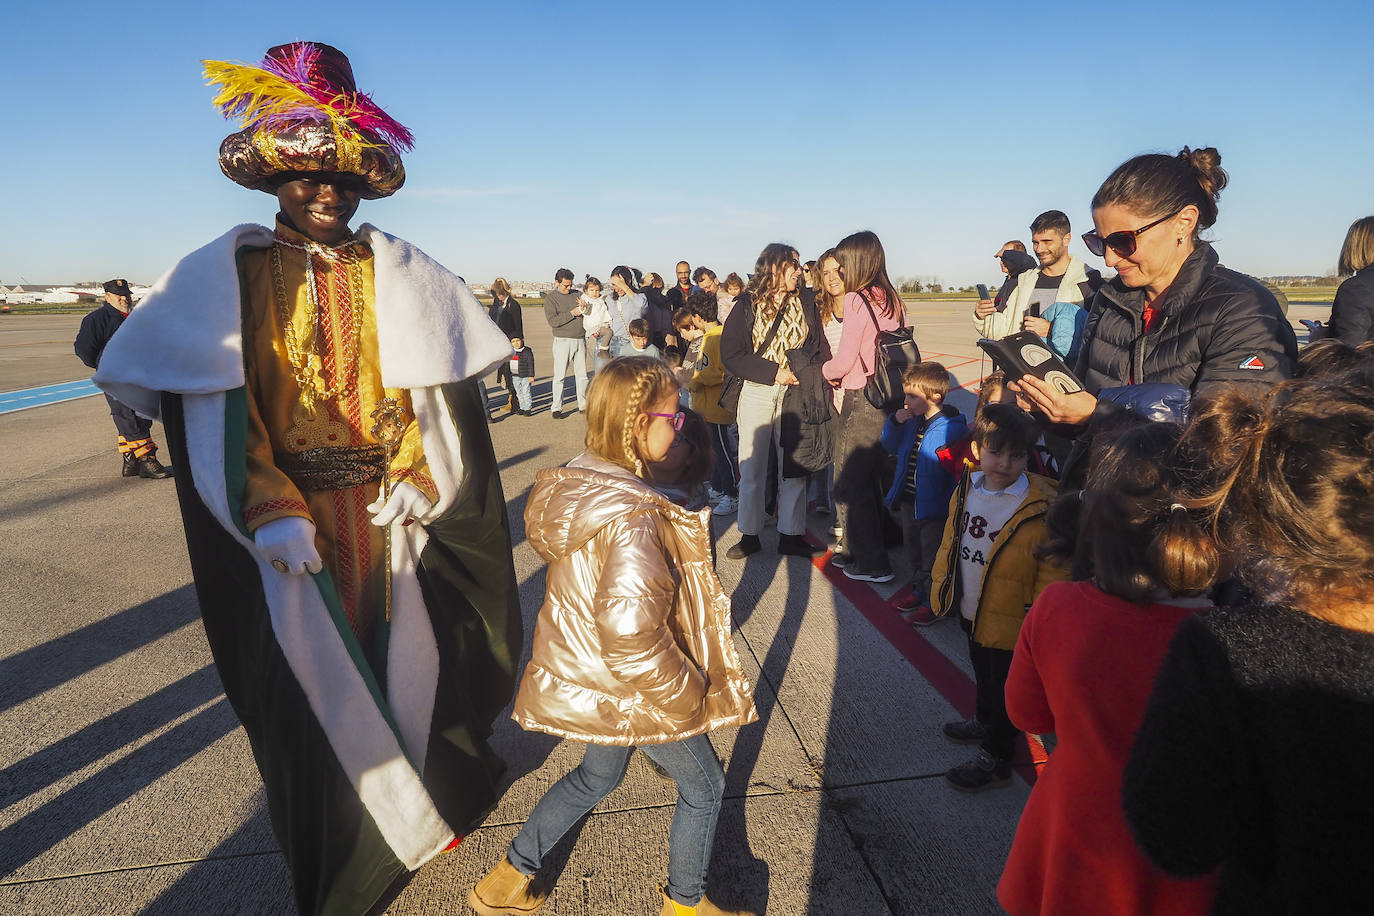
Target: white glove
(406,502)
(288,543)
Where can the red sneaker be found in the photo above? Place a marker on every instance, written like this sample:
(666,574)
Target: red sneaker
(922,616)
(908,604)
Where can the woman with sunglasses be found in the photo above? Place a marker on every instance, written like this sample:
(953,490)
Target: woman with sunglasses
(1172,314)
(769,319)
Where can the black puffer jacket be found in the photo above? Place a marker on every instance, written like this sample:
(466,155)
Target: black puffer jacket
(1218,327)
(1352,312)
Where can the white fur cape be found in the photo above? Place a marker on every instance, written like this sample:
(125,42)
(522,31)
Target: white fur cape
(185,337)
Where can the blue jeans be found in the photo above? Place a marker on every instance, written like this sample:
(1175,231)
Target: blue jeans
(700,786)
(522,391)
(569,350)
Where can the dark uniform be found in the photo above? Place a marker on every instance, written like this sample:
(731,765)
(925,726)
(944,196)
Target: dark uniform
(135,440)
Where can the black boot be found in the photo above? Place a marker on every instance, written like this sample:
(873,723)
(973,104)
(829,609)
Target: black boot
(130,465)
(746,545)
(152,469)
(795,545)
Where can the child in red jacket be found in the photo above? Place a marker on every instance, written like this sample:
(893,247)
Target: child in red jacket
(1083,667)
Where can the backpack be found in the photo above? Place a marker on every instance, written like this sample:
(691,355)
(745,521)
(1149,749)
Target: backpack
(894,352)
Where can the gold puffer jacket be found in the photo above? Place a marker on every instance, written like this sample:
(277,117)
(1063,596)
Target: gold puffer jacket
(633,643)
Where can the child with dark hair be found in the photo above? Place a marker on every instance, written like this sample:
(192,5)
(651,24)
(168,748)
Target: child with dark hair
(708,378)
(639,340)
(689,335)
(672,355)
(921,488)
(682,474)
(596,321)
(1083,667)
(987,570)
(521,367)
(1252,752)
(689,338)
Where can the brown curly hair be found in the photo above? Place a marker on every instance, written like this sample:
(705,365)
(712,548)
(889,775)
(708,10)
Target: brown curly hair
(1292,486)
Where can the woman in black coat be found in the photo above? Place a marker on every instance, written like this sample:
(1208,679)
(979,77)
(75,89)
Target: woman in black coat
(1352,312)
(1172,314)
(505,311)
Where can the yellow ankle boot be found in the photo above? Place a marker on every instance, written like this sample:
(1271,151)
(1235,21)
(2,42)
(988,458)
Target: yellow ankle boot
(505,892)
(705,908)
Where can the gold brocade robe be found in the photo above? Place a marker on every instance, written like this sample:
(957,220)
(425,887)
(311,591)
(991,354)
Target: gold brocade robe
(278,424)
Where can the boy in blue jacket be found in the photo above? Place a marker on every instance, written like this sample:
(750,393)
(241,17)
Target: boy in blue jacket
(921,487)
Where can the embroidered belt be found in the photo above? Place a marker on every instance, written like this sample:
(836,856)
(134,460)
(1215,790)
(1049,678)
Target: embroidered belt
(334,468)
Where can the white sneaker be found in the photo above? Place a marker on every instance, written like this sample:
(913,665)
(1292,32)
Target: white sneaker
(726,506)
(713,496)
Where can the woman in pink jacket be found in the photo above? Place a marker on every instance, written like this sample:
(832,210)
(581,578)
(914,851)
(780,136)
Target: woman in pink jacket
(871,304)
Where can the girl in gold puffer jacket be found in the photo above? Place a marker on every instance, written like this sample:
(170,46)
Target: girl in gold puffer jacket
(633,645)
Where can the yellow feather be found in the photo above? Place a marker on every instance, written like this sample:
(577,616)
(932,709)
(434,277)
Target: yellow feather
(269,94)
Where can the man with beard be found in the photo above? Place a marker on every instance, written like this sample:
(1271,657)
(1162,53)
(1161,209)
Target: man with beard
(319,389)
(1061,277)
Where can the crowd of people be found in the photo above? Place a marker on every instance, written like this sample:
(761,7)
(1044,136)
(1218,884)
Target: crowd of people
(1142,563)
(1169,567)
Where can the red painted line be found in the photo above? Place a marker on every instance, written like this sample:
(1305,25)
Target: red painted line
(976,382)
(947,678)
(966,362)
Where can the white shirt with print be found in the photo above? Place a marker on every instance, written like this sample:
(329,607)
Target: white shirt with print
(985,512)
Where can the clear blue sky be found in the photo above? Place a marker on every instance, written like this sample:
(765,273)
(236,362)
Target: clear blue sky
(586,135)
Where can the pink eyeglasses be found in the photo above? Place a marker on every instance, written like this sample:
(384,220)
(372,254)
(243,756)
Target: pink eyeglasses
(678,418)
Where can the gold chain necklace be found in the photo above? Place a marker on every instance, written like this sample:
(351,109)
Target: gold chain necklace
(306,364)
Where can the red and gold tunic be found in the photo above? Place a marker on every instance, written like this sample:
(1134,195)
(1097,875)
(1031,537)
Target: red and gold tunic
(288,433)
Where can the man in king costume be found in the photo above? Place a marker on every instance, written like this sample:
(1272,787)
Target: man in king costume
(319,389)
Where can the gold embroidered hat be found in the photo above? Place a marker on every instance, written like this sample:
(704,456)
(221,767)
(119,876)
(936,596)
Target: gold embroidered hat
(302,112)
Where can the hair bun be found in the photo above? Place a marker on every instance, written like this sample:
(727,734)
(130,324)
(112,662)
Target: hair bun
(1206,164)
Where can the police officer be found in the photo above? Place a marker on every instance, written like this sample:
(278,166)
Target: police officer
(135,442)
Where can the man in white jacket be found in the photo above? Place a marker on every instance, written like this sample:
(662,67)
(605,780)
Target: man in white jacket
(1060,278)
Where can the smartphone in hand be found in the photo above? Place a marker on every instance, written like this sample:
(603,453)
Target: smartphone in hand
(983,292)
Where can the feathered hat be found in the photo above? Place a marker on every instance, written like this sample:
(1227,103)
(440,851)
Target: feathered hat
(302,112)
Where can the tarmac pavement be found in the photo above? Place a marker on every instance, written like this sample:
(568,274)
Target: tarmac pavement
(127,786)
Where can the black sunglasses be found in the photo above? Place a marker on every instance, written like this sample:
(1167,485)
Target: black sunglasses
(1123,242)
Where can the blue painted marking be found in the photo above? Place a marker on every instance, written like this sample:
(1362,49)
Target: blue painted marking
(24,398)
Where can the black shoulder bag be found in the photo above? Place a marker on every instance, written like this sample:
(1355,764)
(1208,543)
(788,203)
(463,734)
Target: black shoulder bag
(894,352)
(729,391)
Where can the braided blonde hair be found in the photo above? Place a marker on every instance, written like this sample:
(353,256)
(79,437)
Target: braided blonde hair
(619,393)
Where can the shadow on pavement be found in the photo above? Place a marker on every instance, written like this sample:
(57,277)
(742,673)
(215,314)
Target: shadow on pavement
(507,463)
(209,885)
(749,873)
(54,821)
(40,506)
(84,747)
(32,672)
